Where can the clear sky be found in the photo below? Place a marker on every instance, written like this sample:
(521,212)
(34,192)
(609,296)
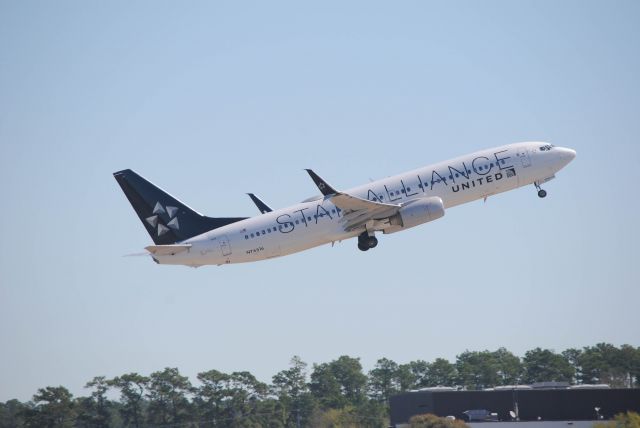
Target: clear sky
(210,100)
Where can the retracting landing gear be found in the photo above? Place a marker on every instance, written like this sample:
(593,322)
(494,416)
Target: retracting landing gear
(541,192)
(366,241)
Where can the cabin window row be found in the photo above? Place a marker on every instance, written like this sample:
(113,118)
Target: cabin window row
(426,185)
(287,224)
(380,197)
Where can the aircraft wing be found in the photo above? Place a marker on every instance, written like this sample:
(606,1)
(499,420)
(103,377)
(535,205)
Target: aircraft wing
(166,250)
(356,212)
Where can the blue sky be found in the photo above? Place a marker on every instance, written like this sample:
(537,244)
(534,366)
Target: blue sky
(211,100)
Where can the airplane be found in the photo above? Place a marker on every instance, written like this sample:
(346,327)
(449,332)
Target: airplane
(183,236)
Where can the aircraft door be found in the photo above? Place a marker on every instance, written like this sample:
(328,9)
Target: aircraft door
(523,155)
(225,246)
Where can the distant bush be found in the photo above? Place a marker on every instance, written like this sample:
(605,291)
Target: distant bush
(622,420)
(432,421)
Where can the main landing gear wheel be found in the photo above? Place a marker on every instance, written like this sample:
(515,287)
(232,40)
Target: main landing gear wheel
(365,242)
(541,192)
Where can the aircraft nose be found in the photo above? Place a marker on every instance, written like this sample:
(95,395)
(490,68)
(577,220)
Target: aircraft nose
(566,155)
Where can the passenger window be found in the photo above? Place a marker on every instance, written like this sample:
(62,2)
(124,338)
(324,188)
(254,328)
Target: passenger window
(246,236)
(309,218)
(402,190)
(457,175)
(264,233)
(252,235)
(408,189)
(269,230)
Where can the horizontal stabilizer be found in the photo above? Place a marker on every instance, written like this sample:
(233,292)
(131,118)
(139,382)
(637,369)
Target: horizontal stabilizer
(167,250)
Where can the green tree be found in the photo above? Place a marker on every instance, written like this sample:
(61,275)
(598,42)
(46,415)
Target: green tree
(542,365)
(572,355)
(95,411)
(325,387)
(478,370)
(210,397)
(167,393)
(268,414)
(339,383)
(245,393)
(440,373)
(292,390)
(383,380)
(508,367)
(407,377)
(630,364)
(602,363)
(132,387)
(11,414)
(51,407)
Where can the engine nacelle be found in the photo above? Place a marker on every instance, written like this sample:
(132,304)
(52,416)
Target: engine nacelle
(416,212)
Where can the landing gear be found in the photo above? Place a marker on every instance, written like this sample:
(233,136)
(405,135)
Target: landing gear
(365,241)
(541,192)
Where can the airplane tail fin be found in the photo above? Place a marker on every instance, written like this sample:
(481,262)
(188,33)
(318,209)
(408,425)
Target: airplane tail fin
(166,219)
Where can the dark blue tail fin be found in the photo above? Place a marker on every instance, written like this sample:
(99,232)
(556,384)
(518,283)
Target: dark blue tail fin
(166,219)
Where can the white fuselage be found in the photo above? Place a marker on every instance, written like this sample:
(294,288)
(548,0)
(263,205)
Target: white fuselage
(317,222)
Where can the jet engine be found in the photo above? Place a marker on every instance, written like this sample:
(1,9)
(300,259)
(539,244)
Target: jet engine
(416,212)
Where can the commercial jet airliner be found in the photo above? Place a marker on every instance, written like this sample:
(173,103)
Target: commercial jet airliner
(184,237)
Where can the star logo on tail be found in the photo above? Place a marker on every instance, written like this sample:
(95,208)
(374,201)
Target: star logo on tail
(157,221)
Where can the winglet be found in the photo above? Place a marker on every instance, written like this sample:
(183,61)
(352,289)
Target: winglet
(264,208)
(324,187)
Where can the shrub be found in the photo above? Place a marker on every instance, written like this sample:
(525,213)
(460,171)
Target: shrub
(432,421)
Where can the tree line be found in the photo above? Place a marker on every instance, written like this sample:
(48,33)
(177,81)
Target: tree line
(333,394)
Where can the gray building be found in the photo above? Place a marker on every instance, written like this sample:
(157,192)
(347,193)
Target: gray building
(516,403)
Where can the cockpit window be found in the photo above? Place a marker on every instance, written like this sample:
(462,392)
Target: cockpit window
(546,147)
